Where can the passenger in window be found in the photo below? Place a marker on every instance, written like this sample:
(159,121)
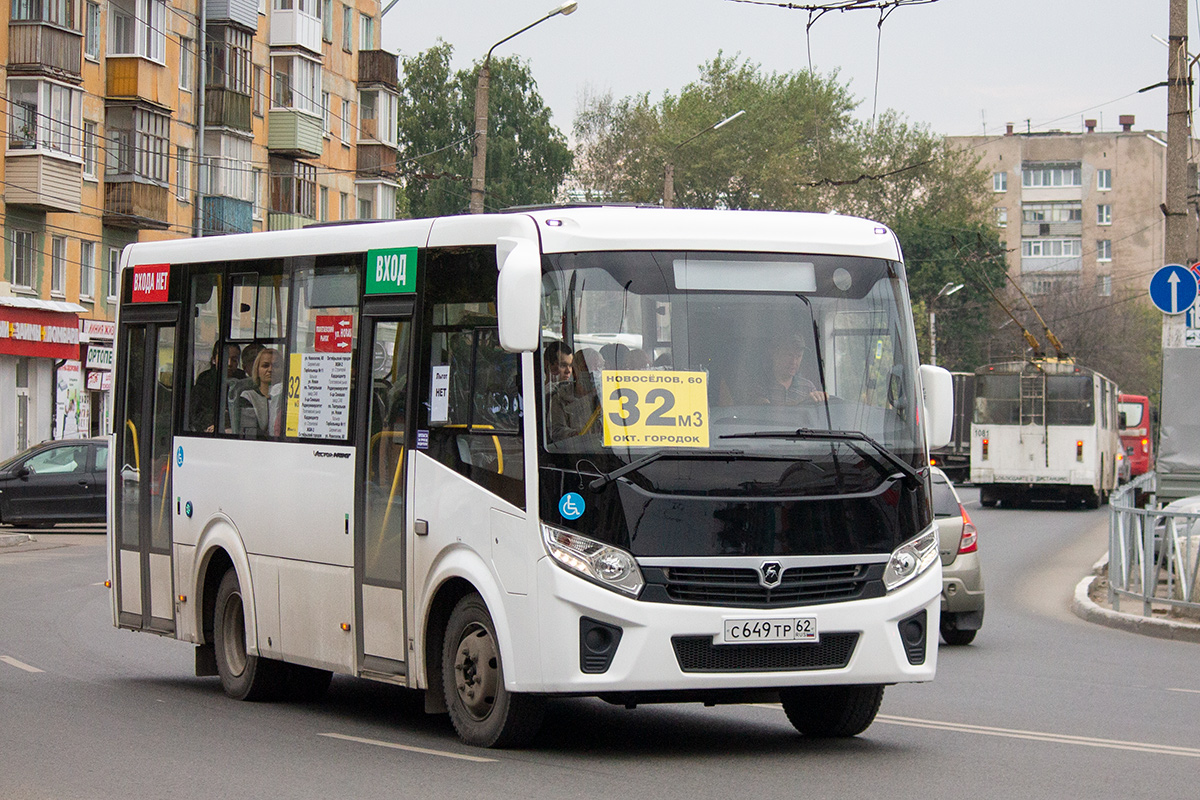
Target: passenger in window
(249,353)
(556,364)
(574,407)
(779,382)
(204,391)
(262,398)
(233,356)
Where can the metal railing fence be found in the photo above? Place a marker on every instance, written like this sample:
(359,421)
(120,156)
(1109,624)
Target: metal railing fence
(1153,553)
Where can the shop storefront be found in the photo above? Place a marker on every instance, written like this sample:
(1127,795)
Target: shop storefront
(36,336)
(96,342)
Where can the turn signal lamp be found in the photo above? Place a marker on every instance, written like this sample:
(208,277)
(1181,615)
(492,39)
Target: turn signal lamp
(1145,445)
(1079,449)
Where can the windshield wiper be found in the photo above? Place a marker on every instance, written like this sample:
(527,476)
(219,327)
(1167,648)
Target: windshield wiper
(634,466)
(849,437)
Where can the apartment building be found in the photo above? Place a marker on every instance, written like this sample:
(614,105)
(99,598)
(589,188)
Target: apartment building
(135,120)
(1079,211)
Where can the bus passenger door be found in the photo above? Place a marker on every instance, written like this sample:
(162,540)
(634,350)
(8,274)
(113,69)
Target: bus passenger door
(142,485)
(384,397)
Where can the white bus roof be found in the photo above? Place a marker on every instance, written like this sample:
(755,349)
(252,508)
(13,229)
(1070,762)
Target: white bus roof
(559,230)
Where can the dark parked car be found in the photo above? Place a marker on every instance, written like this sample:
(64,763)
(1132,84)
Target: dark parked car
(55,482)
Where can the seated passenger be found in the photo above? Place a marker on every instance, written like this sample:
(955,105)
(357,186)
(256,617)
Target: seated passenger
(262,398)
(574,406)
(779,383)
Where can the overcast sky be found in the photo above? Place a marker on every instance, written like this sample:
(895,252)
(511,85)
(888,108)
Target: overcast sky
(960,66)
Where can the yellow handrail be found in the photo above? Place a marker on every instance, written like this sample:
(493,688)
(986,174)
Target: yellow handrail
(137,451)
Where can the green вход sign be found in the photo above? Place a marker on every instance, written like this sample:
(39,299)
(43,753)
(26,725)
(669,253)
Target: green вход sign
(392,270)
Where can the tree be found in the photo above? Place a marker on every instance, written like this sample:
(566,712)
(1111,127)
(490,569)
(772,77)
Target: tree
(527,156)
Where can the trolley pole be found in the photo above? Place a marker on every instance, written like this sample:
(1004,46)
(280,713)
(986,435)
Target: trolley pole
(1178,132)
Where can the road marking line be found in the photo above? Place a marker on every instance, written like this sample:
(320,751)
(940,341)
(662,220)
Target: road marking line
(1036,736)
(1039,736)
(19,664)
(407,747)
(1188,691)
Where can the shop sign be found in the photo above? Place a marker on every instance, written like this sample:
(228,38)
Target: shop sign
(99,357)
(98,329)
(38,333)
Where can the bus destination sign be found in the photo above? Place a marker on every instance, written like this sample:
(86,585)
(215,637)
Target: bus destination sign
(392,271)
(647,408)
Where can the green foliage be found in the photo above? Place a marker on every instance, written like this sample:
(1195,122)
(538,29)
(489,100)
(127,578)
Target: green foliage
(527,156)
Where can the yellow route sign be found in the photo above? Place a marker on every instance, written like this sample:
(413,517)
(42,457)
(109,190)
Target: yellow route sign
(647,408)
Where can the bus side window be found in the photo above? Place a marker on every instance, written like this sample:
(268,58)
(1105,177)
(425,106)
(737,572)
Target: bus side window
(205,362)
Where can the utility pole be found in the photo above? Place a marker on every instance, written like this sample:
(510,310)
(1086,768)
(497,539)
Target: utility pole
(1179,93)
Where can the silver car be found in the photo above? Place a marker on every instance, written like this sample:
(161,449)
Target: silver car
(962,578)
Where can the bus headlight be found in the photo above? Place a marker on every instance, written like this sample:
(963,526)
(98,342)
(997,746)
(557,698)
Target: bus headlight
(608,566)
(911,559)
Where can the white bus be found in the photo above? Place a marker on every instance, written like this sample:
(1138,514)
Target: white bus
(1044,429)
(339,450)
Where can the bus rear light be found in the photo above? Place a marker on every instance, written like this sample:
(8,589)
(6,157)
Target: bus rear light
(1145,445)
(985,449)
(1079,449)
(346,626)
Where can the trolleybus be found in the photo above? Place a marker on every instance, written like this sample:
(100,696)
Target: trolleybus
(644,455)
(1044,429)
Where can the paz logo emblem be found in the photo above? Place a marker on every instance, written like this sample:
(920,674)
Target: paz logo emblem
(772,573)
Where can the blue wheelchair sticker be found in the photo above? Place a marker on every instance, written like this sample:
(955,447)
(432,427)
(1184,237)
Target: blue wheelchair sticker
(571,506)
(179,456)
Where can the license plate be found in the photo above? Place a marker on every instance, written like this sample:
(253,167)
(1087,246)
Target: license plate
(749,631)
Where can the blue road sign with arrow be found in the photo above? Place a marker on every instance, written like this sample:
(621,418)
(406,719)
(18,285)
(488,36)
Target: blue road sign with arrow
(1173,289)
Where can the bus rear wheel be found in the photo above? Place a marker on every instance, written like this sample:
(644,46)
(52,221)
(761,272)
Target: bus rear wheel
(484,713)
(831,711)
(243,676)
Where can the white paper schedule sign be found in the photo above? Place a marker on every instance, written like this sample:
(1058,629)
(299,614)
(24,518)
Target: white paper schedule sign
(319,396)
(439,402)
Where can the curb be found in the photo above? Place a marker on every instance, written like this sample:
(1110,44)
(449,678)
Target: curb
(1083,607)
(14,539)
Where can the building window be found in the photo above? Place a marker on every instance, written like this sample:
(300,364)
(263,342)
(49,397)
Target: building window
(63,13)
(1047,175)
(343,205)
(297,83)
(45,116)
(999,181)
(1051,248)
(1052,212)
(347,29)
(293,187)
(1104,249)
(87,269)
(1104,179)
(138,28)
(327,20)
(91,32)
(323,208)
(114,272)
(58,265)
(187,49)
(366,32)
(260,91)
(1104,285)
(326,122)
(377,116)
(22,259)
(138,144)
(183,172)
(1104,214)
(229,59)
(346,111)
(366,204)
(1001,216)
(257,203)
(89,150)
(225,160)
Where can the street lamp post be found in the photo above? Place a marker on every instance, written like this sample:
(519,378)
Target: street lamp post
(947,290)
(479,161)
(669,167)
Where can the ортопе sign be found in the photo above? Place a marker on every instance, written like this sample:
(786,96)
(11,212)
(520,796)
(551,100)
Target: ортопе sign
(39,334)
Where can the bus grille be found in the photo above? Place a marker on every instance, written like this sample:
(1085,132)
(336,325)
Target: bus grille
(799,586)
(699,654)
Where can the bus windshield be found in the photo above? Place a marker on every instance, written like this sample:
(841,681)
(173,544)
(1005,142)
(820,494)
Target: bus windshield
(706,354)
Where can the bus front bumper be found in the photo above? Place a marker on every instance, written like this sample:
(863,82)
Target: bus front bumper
(666,647)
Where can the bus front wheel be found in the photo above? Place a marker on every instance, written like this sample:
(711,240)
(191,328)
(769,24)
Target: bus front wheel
(484,713)
(831,711)
(243,676)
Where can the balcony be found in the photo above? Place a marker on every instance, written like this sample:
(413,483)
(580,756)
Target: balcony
(43,182)
(291,28)
(1035,229)
(137,78)
(223,215)
(376,160)
(294,133)
(243,12)
(226,109)
(377,66)
(135,205)
(35,48)
(1046,265)
(282,221)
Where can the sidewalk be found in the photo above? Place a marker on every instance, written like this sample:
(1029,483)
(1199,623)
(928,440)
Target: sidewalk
(13,539)
(1091,604)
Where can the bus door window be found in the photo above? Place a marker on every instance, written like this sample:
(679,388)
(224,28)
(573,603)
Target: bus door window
(384,520)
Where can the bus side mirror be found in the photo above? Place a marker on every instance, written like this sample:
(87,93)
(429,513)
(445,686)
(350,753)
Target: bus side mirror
(518,294)
(937,387)
(1121,420)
